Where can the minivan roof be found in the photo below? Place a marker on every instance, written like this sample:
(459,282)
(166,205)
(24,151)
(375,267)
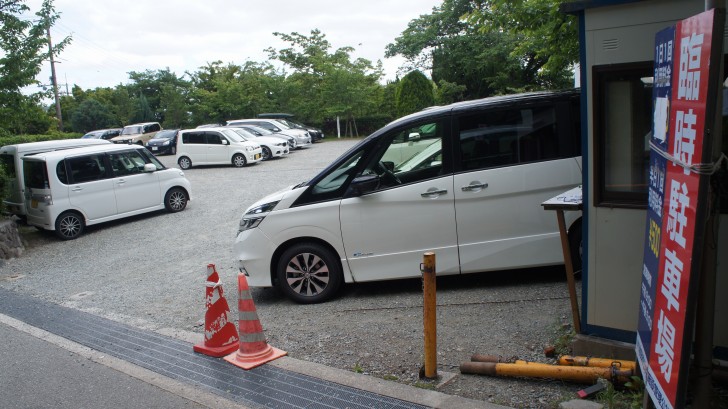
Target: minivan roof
(45,156)
(504,100)
(58,143)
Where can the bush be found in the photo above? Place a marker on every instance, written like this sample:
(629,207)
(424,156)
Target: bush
(50,136)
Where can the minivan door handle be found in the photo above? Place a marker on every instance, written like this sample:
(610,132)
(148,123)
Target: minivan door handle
(76,189)
(474,186)
(434,192)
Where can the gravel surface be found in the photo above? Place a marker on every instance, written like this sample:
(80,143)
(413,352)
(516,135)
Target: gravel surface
(148,271)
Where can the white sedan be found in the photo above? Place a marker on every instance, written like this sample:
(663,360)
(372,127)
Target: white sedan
(272,147)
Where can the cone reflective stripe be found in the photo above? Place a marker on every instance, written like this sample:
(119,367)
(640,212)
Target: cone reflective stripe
(254,349)
(221,337)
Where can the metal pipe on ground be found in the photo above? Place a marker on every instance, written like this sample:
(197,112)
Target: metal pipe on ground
(588,375)
(568,360)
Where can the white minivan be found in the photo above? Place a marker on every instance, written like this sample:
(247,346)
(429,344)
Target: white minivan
(11,155)
(465,181)
(215,146)
(65,191)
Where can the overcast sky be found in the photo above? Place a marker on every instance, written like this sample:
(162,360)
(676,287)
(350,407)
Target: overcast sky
(113,37)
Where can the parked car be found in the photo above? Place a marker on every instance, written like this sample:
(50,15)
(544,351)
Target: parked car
(70,189)
(215,146)
(102,134)
(316,134)
(139,134)
(164,142)
(302,137)
(258,131)
(271,147)
(470,191)
(11,157)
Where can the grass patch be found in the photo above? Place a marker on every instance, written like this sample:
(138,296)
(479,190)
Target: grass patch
(358,368)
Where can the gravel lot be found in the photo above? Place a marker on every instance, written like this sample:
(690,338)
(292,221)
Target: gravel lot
(148,271)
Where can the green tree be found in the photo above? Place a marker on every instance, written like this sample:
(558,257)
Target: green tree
(142,112)
(414,93)
(173,103)
(24,47)
(548,42)
(467,53)
(325,84)
(91,115)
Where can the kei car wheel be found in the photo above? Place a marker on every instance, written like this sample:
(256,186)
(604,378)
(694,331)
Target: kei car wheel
(266,153)
(69,225)
(184,163)
(308,273)
(239,160)
(175,200)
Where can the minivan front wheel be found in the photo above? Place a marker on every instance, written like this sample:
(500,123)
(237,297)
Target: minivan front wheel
(184,163)
(175,200)
(239,160)
(308,273)
(575,246)
(69,225)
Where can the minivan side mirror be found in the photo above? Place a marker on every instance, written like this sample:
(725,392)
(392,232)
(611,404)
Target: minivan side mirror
(362,184)
(149,167)
(224,141)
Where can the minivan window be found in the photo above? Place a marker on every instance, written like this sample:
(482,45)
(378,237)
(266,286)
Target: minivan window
(35,174)
(8,162)
(193,138)
(214,138)
(87,168)
(408,155)
(493,138)
(61,172)
(127,163)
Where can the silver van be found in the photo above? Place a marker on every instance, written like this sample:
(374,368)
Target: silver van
(65,191)
(11,155)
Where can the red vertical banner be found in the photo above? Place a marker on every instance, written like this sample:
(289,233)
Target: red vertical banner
(682,211)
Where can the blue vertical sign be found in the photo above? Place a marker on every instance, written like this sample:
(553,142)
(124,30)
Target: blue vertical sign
(661,98)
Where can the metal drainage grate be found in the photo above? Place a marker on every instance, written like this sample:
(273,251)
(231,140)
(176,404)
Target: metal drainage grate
(264,386)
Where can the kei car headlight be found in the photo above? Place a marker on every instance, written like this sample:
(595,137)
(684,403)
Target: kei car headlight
(252,218)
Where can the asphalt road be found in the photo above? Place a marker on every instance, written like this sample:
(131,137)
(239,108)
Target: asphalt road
(149,271)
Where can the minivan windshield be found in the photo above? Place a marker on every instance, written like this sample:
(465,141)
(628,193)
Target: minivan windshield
(234,136)
(36,176)
(131,130)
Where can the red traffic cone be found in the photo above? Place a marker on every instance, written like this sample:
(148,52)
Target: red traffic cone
(254,349)
(221,337)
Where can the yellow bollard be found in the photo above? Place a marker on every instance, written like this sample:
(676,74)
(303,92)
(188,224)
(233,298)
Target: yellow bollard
(430,314)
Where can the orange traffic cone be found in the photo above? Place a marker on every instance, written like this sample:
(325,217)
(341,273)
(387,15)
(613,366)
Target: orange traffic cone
(221,337)
(254,349)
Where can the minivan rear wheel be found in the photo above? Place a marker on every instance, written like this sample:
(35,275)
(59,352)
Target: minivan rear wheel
(239,160)
(184,163)
(69,225)
(575,246)
(175,200)
(308,273)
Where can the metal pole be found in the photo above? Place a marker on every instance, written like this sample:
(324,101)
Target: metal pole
(53,79)
(430,314)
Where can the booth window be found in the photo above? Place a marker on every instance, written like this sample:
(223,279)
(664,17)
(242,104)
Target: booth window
(622,126)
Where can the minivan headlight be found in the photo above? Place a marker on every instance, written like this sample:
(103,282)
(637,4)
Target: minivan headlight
(252,218)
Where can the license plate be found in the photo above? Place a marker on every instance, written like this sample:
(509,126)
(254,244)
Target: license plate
(33,203)
(257,156)
(154,148)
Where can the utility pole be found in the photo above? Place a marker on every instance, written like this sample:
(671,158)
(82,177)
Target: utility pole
(53,79)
